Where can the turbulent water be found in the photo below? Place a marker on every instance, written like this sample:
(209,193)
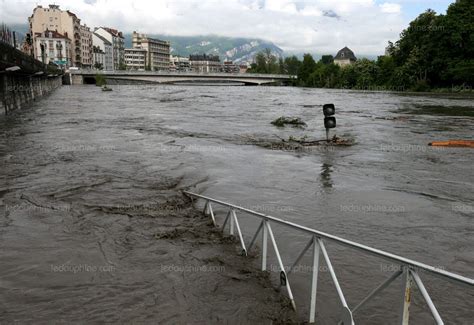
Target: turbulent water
(93,150)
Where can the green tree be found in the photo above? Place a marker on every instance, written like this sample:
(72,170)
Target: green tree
(385,71)
(265,62)
(325,76)
(291,65)
(307,68)
(98,66)
(327,59)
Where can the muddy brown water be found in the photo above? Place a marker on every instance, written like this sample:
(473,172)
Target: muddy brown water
(90,189)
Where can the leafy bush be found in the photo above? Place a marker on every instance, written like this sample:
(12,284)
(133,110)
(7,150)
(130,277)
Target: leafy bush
(100,80)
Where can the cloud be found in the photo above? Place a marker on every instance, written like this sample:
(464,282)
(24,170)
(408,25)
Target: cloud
(295,25)
(331,14)
(391,8)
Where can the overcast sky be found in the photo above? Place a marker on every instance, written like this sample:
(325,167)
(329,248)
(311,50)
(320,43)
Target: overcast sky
(316,26)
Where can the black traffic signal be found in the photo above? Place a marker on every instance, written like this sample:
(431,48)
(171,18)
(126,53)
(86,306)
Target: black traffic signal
(330,122)
(329,109)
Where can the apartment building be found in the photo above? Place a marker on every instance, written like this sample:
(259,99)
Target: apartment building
(204,63)
(136,59)
(116,38)
(86,47)
(106,47)
(53,47)
(179,64)
(98,58)
(66,23)
(230,67)
(158,51)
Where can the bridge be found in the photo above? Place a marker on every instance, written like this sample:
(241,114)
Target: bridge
(79,77)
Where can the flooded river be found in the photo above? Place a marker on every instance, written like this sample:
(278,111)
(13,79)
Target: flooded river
(82,151)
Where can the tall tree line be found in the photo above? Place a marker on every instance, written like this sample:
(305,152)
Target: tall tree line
(435,51)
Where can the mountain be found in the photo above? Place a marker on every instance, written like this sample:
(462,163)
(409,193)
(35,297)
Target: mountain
(239,50)
(21,30)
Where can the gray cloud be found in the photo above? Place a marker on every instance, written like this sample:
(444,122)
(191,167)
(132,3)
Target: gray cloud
(320,26)
(331,14)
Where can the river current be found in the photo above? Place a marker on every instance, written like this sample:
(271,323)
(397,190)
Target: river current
(388,190)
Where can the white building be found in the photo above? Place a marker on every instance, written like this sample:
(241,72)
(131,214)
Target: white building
(106,47)
(345,57)
(158,51)
(136,59)
(53,47)
(179,64)
(204,63)
(98,58)
(116,38)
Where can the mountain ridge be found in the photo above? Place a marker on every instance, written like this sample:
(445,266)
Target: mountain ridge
(236,49)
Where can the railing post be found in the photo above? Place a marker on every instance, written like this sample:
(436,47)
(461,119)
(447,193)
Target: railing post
(232,214)
(264,245)
(314,280)
(211,212)
(427,297)
(406,287)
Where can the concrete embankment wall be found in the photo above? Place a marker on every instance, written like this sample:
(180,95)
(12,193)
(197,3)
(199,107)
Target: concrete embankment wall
(18,90)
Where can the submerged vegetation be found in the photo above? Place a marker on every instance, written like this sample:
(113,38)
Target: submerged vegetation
(434,52)
(293,121)
(100,80)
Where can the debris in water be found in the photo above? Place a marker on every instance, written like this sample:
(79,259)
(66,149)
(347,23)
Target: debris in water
(299,144)
(284,120)
(453,143)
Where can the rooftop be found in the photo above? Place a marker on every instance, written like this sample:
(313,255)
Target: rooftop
(114,32)
(344,54)
(106,42)
(54,34)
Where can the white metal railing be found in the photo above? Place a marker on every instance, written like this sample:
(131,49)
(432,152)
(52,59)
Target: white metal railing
(408,268)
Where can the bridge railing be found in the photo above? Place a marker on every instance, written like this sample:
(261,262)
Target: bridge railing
(409,270)
(184,73)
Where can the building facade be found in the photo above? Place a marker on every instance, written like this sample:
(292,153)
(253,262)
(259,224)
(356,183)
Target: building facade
(136,59)
(345,57)
(204,63)
(86,47)
(63,22)
(98,58)
(53,47)
(230,67)
(179,64)
(158,51)
(115,38)
(106,47)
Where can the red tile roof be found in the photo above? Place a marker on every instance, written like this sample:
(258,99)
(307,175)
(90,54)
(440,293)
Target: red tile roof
(114,32)
(55,34)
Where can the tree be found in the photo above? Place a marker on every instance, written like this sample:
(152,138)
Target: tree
(292,65)
(307,68)
(327,59)
(265,62)
(385,70)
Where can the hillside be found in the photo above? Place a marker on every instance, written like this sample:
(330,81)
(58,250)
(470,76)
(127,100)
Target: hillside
(228,48)
(239,50)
